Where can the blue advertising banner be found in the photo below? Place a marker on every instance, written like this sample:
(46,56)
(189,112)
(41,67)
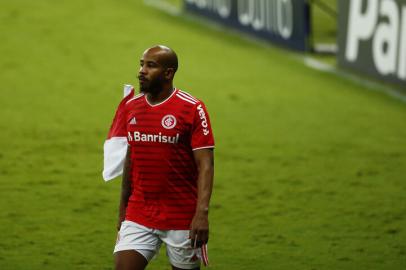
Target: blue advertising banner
(284,22)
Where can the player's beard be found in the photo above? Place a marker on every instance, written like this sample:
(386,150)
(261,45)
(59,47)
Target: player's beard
(153,87)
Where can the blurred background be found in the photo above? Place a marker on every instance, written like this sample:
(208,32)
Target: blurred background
(307,101)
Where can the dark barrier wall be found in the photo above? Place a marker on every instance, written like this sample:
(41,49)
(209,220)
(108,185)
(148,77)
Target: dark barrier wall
(284,22)
(372,38)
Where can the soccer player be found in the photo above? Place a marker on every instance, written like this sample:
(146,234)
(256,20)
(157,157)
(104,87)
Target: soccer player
(168,171)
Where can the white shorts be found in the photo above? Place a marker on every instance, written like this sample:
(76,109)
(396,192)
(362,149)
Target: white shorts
(147,242)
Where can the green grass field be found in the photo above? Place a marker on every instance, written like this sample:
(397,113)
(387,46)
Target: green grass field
(310,168)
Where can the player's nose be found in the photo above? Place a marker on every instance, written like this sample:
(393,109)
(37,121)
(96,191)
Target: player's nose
(142,70)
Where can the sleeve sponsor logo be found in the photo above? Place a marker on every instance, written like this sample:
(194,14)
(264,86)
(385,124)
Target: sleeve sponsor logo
(202,115)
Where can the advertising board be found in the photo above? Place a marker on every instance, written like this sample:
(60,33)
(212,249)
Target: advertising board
(372,38)
(284,22)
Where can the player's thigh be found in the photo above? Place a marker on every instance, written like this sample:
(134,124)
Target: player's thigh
(176,268)
(136,245)
(179,250)
(130,260)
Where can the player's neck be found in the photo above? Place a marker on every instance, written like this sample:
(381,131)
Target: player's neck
(159,96)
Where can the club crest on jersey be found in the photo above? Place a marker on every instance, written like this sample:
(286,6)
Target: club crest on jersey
(168,121)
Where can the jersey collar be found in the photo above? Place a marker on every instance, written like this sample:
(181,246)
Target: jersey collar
(162,102)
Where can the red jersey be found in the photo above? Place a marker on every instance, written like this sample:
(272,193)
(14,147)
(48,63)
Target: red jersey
(162,138)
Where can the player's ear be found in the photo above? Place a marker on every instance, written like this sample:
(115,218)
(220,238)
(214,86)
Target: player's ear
(169,73)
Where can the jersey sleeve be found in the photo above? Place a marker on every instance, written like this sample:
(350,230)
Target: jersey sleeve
(202,133)
(115,147)
(118,127)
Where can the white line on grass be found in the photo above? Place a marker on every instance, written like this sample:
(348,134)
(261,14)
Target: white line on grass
(164,6)
(308,61)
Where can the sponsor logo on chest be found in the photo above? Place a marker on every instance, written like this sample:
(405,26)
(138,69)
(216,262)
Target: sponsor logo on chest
(137,136)
(167,122)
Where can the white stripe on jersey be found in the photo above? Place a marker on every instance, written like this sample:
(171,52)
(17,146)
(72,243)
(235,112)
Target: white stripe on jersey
(136,97)
(186,99)
(204,147)
(183,93)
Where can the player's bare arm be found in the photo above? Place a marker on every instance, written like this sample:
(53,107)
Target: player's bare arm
(199,229)
(125,189)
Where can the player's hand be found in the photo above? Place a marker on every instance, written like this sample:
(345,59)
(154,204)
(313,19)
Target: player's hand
(199,230)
